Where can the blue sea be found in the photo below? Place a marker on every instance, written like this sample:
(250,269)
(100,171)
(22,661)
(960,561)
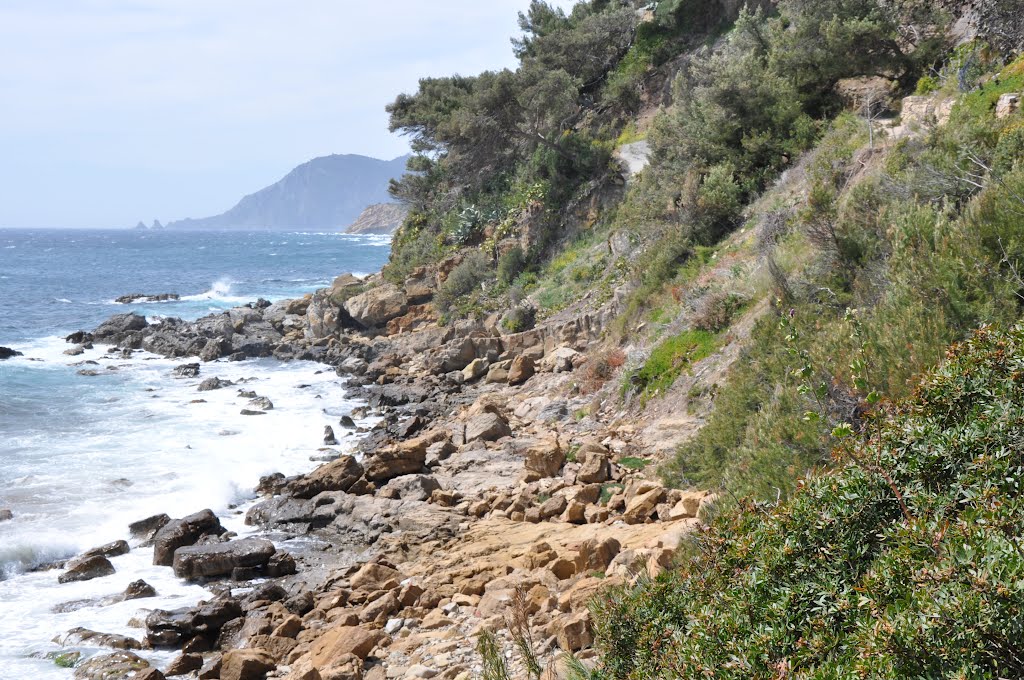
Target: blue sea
(81,456)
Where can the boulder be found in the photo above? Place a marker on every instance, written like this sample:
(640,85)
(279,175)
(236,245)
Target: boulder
(521,370)
(642,506)
(329,438)
(86,569)
(214,383)
(343,640)
(595,555)
(147,528)
(595,469)
(377,306)
(186,371)
(410,487)
(246,664)
(338,475)
(1008,104)
(487,427)
(375,576)
(173,628)
(112,549)
(119,325)
(138,590)
(545,458)
(574,632)
(6,515)
(116,666)
(261,403)
(475,369)
(90,638)
(7,353)
(221,559)
(179,533)
(184,664)
(404,459)
(562,360)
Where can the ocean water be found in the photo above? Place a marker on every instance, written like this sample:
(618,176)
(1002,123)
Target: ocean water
(82,456)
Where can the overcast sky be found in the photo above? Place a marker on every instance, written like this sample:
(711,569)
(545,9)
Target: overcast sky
(115,111)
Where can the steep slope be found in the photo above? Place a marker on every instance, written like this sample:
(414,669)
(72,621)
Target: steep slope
(325,193)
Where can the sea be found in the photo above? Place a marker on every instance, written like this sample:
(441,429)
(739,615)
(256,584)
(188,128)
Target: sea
(82,456)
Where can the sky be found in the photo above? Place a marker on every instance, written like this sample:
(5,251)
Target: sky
(116,111)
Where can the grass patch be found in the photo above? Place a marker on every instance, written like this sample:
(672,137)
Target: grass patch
(633,463)
(668,360)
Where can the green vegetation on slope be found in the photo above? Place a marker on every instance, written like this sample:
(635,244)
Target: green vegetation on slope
(923,239)
(904,562)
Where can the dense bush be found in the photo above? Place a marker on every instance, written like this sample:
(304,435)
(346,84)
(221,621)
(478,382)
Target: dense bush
(474,270)
(904,562)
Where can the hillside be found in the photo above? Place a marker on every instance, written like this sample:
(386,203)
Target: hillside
(325,193)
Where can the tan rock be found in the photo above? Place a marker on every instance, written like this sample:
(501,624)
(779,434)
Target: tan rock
(563,568)
(575,513)
(377,306)
(475,369)
(303,670)
(434,620)
(574,632)
(595,468)
(545,458)
(288,628)
(1008,104)
(595,555)
(342,640)
(246,664)
(642,506)
(521,370)
(374,576)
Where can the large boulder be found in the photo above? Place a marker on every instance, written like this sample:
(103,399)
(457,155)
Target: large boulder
(117,326)
(410,487)
(521,370)
(342,640)
(545,458)
(406,458)
(487,427)
(338,475)
(179,533)
(7,353)
(595,468)
(377,306)
(221,559)
(91,638)
(246,664)
(86,569)
(172,628)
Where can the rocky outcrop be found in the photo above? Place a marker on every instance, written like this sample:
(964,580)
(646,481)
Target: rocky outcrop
(145,297)
(7,353)
(380,218)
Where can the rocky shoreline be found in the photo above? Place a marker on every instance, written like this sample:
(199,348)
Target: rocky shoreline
(479,500)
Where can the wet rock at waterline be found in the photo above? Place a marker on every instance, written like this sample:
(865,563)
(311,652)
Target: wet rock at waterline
(86,569)
(209,561)
(179,533)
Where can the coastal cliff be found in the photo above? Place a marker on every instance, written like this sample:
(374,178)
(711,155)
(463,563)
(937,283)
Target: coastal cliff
(702,415)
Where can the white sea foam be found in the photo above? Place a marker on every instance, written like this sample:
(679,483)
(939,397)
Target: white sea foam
(145,443)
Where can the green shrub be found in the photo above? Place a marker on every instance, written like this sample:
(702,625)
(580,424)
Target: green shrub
(474,269)
(511,265)
(904,562)
(926,85)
